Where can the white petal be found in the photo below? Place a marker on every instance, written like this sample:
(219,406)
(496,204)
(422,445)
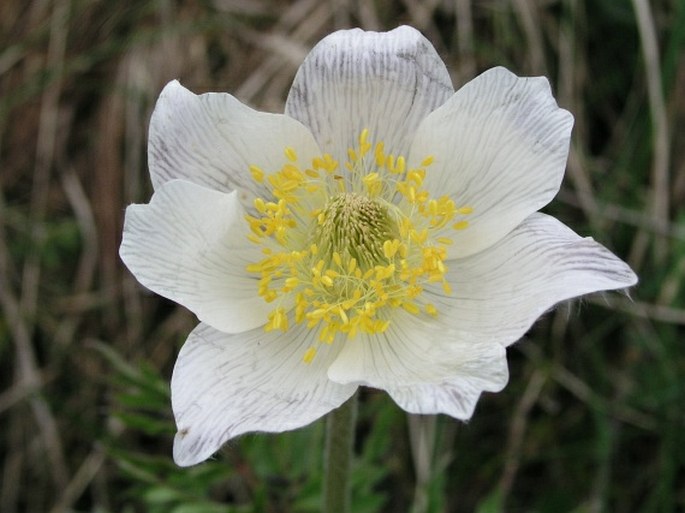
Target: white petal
(212,139)
(425,367)
(189,244)
(225,385)
(456,397)
(500,146)
(351,80)
(499,293)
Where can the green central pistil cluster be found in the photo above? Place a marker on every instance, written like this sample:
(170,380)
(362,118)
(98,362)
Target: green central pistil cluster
(354,226)
(341,252)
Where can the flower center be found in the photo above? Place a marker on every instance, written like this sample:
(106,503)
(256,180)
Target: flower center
(354,226)
(342,252)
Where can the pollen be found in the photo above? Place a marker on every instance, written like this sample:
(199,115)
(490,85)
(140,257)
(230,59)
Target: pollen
(345,248)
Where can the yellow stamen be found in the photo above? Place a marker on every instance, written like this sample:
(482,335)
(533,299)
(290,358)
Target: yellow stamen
(257,174)
(309,355)
(345,248)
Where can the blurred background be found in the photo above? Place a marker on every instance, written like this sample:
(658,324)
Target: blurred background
(593,419)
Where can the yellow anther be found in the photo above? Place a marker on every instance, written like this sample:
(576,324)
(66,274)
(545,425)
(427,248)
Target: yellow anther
(257,173)
(431,310)
(269,296)
(417,176)
(290,154)
(327,334)
(390,163)
(427,161)
(253,268)
(383,273)
(400,165)
(343,315)
(369,309)
(363,137)
(460,225)
(309,355)
(390,248)
(292,172)
(277,320)
(371,179)
(329,163)
(260,205)
(291,283)
(419,237)
(379,155)
(317,314)
(380,326)
(410,307)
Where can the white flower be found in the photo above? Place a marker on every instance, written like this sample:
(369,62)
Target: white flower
(383,232)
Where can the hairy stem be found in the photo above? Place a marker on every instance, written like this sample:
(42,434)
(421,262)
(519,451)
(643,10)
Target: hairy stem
(340,429)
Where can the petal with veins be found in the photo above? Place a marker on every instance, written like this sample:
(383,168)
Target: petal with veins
(499,146)
(384,82)
(500,292)
(189,244)
(226,385)
(212,139)
(424,366)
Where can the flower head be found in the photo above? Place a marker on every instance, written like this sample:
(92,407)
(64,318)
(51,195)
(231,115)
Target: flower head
(382,232)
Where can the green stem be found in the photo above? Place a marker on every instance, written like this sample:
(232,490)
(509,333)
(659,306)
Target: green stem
(422,436)
(340,429)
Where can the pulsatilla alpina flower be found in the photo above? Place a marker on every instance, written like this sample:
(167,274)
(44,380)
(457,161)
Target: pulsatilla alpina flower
(383,232)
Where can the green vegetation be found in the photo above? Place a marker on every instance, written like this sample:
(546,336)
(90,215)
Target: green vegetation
(593,419)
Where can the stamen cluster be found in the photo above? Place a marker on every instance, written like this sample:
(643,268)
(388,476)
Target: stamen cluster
(343,251)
